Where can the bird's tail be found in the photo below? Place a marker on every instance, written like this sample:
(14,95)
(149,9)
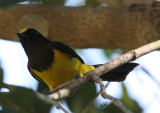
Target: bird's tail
(119,73)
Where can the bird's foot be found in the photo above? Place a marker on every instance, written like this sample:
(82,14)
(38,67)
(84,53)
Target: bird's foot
(77,76)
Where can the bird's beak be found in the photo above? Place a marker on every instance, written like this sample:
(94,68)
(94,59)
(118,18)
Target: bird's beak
(20,35)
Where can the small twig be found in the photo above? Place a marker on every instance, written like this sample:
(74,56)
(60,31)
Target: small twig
(51,101)
(41,96)
(106,96)
(117,103)
(100,82)
(93,100)
(9,87)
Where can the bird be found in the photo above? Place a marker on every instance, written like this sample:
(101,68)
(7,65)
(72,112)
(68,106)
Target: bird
(55,63)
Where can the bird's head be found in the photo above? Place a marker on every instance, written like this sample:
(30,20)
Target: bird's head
(33,42)
(29,35)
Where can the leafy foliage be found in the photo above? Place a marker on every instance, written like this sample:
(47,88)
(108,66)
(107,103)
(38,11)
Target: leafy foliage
(79,101)
(130,103)
(22,100)
(92,3)
(43,88)
(109,53)
(126,100)
(8,3)
(1,77)
(53,2)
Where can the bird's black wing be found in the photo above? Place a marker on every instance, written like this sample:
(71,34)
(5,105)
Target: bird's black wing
(66,49)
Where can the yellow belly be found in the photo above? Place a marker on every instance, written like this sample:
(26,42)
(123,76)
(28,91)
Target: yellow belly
(63,69)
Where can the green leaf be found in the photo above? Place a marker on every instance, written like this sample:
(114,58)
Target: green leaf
(8,3)
(53,2)
(111,108)
(5,111)
(79,101)
(78,50)
(127,101)
(125,51)
(1,77)
(109,53)
(22,100)
(42,88)
(92,3)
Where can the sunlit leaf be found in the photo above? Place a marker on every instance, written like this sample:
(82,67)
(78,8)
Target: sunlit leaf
(78,50)
(22,100)
(79,101)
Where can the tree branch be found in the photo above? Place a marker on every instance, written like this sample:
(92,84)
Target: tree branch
(138,24)
(51,101)
(96,73)
(92,101)
(104,94)
(88,77)
(117,102)
(39,95)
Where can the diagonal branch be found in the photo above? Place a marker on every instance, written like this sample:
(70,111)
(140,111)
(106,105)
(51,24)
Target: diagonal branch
(118,103)
(92,101)
(130,56)
(51,101)
(95,74)
(138,22)
(104,94)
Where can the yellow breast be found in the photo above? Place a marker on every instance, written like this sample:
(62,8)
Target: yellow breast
(63,69)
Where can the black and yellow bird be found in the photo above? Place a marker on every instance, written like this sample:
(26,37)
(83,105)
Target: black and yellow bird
(55,63)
